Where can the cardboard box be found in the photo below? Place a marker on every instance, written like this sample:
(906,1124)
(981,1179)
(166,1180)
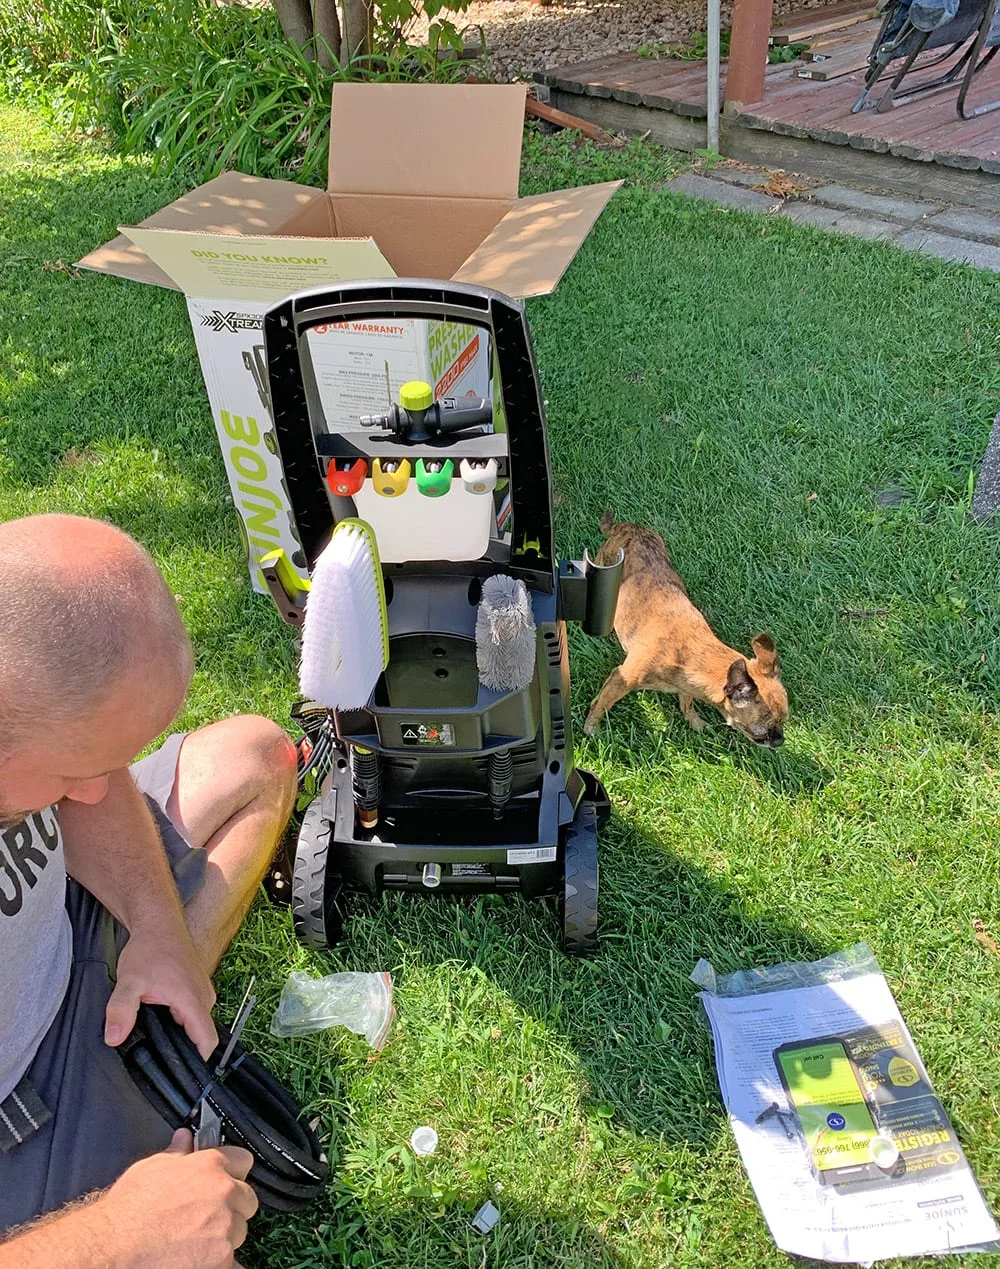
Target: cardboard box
(422,182)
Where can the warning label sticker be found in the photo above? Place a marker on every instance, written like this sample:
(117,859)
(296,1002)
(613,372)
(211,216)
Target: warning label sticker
(428,735)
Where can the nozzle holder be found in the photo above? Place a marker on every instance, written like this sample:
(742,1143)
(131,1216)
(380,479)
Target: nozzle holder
(603,583)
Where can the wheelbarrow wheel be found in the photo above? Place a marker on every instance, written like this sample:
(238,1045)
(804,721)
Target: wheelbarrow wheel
(316,887)
(579,897)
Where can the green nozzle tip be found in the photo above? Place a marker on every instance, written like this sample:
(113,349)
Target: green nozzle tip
(416,395)
(432,484)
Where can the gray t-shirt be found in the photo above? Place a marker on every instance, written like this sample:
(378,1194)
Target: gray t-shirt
(36,940)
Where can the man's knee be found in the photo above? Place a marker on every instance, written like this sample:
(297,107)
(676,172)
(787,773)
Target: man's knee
(266,758)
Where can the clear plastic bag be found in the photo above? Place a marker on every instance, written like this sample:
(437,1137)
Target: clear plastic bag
(852,962)
(360,1002)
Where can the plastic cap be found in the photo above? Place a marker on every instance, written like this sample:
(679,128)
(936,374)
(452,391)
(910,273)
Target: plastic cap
(423,1141)
(884,1152)
(416,395)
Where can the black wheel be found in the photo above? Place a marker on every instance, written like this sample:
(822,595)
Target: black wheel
(316,890)
(579,898)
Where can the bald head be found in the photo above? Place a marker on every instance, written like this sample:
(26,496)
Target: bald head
(84,610)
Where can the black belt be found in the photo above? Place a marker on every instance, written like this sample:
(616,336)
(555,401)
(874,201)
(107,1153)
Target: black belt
(22,1113)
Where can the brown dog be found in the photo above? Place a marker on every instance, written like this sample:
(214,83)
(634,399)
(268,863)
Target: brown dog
(670,647)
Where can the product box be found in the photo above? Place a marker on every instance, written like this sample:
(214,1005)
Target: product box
(422,183)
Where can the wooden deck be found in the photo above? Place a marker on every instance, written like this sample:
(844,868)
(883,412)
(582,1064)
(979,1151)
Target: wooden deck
(803,124)
(925,131)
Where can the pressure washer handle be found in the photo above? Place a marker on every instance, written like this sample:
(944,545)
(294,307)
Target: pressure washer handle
(439,418)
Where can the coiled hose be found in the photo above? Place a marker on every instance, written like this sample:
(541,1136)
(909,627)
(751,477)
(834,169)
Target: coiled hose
(289,1169)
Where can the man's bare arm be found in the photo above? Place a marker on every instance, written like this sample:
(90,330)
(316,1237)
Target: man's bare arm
(176,1209)
(113,848)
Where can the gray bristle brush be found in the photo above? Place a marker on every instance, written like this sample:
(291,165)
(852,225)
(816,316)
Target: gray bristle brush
(505,635)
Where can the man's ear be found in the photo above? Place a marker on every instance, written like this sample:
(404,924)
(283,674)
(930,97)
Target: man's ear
(740,687)
(767,655)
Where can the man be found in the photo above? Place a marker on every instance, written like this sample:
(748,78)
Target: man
(163,859)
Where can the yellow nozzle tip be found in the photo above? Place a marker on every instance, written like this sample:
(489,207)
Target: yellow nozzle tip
(416,395)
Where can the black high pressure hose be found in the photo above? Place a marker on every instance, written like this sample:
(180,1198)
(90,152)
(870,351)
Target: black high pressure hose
(289,1169)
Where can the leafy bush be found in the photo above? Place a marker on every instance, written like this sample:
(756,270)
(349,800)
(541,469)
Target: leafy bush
(212,86)
(695,49)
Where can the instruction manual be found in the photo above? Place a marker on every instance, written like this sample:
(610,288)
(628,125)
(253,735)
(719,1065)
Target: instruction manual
(850,1153)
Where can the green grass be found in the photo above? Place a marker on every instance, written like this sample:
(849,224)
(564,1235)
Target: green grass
(747,387)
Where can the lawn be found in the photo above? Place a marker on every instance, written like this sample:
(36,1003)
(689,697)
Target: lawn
(750,389)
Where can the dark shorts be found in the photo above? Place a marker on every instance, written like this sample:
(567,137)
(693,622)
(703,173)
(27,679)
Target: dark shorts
(100,1123)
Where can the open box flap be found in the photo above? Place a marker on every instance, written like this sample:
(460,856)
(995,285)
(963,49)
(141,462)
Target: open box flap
(232,203)
(257,268)
(533,245)
(455,140)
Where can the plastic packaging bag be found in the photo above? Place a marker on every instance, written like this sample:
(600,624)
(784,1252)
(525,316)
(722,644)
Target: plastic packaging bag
(360,1002)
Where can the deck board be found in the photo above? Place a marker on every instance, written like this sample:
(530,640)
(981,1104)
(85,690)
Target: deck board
(801,27)
(818,110)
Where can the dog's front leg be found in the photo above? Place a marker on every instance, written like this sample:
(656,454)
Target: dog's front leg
(691,715)
(615,687)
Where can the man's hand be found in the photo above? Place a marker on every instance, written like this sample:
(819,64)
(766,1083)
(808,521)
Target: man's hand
(163,970)
(176,1210)
(181,1208)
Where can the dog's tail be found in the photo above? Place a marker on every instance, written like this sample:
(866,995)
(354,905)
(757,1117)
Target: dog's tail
(607,522)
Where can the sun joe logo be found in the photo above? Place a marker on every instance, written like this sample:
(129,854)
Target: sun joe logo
(260,506)
(231,322)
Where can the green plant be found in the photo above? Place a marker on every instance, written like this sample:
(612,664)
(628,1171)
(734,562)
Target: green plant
(695,49)
(778,53)
(204,84)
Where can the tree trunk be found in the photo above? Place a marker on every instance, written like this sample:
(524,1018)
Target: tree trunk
(357,38)
(296,22)
(326,25)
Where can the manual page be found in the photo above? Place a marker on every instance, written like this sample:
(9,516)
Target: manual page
(850,1154)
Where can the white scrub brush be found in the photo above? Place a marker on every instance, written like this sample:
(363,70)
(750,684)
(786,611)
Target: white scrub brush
(505,635)
(345,633)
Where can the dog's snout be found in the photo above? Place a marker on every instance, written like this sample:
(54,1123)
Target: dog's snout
(776,737)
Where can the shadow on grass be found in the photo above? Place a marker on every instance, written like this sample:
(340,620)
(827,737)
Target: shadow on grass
(788,772)
(630,1014)
(620,1055)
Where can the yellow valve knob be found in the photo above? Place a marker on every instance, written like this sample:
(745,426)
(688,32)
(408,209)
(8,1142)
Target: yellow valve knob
(416,395)
(390,476)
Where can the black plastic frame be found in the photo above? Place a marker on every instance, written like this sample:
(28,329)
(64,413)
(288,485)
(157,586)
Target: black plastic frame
(294,401)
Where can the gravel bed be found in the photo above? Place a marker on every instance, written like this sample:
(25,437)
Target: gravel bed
(522,37)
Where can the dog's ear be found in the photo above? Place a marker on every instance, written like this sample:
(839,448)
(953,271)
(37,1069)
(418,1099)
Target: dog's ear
(767,655)
(740,687)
